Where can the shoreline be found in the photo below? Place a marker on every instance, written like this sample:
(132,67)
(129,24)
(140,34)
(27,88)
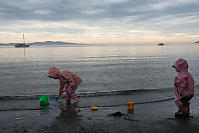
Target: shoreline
(85,94)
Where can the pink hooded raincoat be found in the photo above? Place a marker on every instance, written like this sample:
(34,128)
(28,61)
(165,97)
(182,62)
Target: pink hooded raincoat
(184,82)
(69,81)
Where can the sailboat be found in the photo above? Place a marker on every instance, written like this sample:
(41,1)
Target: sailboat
(23,45)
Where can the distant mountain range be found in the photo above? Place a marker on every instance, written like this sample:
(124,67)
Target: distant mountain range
(45,43)
(197,42)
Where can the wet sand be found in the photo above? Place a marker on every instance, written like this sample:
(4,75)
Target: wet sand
(27,116)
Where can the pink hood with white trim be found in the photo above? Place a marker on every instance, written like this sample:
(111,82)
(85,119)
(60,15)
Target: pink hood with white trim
(53,73)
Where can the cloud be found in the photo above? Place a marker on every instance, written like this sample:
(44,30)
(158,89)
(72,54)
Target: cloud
(100,18)
(42,12)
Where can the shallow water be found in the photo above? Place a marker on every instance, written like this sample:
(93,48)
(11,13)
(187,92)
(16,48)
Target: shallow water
(102,67)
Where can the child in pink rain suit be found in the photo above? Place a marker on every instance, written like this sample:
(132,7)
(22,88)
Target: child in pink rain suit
(69,82)
(184,87)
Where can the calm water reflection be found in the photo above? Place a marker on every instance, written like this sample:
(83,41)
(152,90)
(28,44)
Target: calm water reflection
(102,67)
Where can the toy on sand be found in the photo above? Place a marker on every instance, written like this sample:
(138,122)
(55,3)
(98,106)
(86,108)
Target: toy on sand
(94,108)
(55,98)
(44,100)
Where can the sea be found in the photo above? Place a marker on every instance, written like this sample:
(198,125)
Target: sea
(103,67)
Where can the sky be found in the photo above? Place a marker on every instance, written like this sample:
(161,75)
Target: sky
(99,21)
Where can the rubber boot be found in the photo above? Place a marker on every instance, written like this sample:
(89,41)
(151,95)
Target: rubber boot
(68,99)
(75,99)
(188,107)
(183,112)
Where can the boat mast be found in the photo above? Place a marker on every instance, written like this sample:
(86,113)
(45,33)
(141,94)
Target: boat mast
(23,39)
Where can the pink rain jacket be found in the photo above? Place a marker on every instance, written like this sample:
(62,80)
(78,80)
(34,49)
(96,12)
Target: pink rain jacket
(67,79)
(184,82)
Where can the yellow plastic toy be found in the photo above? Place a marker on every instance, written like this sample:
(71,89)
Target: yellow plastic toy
(130,105)
(94,108)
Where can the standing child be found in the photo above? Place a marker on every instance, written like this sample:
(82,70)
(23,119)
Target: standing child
(69,82)
(184,88)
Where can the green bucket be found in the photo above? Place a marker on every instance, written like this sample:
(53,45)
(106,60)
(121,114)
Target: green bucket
(44,100)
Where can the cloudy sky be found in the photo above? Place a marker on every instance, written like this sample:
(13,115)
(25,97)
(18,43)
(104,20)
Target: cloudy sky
(100,21)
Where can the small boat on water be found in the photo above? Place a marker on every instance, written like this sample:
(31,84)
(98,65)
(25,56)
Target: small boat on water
(197,42)
(22,45)
(160,44)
